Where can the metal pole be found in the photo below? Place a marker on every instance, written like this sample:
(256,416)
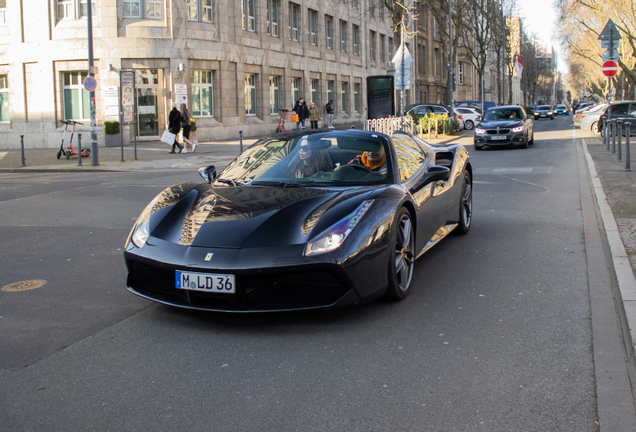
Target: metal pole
(121,114)
(402,87)
(613,136)
(450,61)
(619,123)
(79,149)
(22,163)
(628,162)
(241,141)
(135,115)
(91,73)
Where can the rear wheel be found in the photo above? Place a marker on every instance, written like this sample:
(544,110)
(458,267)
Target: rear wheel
(468,124)
(402,258)
(465,206)
(594,128)
(60,153)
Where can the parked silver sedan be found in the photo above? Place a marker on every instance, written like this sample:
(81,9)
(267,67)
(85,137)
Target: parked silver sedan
(589,118)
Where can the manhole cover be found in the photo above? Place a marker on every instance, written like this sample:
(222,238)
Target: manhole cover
(23,286)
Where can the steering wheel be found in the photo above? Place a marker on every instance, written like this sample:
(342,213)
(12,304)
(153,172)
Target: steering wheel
(357,166)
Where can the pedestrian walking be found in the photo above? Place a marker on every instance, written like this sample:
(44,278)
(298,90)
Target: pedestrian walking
(174,126)
(186,125)
(314,116)
(303,112)
(329,108)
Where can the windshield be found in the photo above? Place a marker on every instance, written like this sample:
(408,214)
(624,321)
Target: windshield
(330,158)
(496,114)
(544,107)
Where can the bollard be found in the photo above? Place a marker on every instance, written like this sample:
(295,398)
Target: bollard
(436,128)
(429,128)
(79,149)
(628,164)
(605,133)
(613,129)
(22,163)
(241,141)
(619,124)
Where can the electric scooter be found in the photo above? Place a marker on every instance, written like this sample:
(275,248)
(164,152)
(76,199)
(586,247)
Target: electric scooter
(69,150)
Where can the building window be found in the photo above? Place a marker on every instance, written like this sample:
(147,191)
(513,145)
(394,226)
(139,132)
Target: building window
(356,40)
(372,44)
(274,94)
(329,31)
(83,8)
(382,50)
(343,95)
(330,87)
(391,49)
(273,8)
(200,10)
(295,89)
(355,4)
(372,8)
(461,73)
(249,15)
(65,9)
(343,36)
(250,94)
(356,96)
(76,98)
(142,8)
(4,99)
(313,27)
(294,22)
(202,93)
(315,91)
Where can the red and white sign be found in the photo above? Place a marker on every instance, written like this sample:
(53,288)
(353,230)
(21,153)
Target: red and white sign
(610,68)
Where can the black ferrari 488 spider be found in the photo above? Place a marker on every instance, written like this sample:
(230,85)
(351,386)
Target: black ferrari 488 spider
(301,220)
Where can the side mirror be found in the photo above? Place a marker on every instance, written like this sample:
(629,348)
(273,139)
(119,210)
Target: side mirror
(432,174)
(208,173)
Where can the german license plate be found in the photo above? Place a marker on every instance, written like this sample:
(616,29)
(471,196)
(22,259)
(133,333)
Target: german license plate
(498,137)
(207,282)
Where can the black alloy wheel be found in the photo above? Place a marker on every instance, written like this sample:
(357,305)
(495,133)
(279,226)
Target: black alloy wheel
(465,206)
(402,260)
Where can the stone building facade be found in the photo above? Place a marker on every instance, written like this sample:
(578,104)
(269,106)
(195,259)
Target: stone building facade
(240,60)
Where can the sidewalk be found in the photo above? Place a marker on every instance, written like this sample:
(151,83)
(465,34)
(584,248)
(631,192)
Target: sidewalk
(151,155)
(615,191)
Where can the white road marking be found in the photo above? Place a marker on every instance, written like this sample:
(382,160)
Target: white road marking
(3,154)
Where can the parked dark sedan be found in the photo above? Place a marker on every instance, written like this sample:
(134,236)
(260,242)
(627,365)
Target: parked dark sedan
(301,221)
(504,126)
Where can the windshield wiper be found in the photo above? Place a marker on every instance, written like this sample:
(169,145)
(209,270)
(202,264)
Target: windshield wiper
(275,183)
(230,182)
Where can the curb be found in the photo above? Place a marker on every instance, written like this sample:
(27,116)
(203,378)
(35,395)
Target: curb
(626,295)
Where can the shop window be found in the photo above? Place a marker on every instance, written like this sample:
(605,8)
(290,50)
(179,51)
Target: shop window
(76,98)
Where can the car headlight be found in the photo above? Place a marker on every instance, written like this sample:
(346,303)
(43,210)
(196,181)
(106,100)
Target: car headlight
(518,129)
(141,230)
(480,130)
(333,237)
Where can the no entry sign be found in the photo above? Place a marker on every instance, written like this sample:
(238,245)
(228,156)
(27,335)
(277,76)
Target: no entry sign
(610,68)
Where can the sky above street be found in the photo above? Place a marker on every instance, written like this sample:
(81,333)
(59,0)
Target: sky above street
(539,20)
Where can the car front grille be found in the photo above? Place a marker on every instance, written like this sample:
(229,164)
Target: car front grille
(498,132)
(262,292)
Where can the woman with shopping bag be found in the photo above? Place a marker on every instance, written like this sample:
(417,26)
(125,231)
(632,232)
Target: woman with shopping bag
(174,126)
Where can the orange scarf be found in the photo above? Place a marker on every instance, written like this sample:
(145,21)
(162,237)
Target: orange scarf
(365,161)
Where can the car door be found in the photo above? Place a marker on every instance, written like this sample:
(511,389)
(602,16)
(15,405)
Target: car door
(412,162)
(620,112)
(632,118)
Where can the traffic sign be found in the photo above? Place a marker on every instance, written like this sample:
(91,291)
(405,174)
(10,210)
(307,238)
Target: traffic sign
(613,44)
(610,54)
(90,83)
(610,32)
(610,68)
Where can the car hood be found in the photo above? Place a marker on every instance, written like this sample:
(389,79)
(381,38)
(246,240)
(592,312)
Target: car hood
(195,214)
(500,124)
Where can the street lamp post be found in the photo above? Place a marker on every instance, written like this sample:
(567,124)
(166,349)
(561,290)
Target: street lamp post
(450,61)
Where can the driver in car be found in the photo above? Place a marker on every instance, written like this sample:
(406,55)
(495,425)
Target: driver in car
(375,161)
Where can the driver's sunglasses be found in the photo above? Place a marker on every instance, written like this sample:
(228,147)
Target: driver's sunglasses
(304,148)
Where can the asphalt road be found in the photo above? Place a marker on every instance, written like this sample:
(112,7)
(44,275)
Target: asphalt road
(496,335)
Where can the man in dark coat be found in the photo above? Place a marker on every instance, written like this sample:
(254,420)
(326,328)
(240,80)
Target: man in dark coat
(329,108)
(174,126)
(303,112)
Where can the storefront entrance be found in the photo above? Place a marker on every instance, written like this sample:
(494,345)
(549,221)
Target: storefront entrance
(147,84)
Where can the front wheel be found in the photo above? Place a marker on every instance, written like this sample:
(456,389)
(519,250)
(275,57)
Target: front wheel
(594,128)
(402,259)
(468,124)
(465,206)
(531,140)
(60,153)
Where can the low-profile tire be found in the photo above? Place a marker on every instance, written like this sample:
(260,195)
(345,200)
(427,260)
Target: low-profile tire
(465,206)
(402,259)
(594,128)
(525,143)
(531,140)
(468,124)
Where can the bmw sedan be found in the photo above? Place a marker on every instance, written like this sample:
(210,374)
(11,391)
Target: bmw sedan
(544,111)
(506,125)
